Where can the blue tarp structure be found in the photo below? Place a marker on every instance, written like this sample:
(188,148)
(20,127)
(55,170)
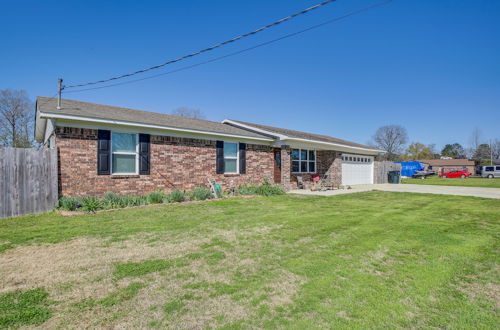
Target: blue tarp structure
(409,168)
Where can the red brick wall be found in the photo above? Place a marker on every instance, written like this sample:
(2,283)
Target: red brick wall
(327,162)
(176,163)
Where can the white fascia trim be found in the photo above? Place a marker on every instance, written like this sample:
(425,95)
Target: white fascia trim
(336,145)
(258,130)
(48,115)
(285,137)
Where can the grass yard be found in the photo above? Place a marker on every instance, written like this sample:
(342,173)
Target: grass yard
(373,259)
(468,182)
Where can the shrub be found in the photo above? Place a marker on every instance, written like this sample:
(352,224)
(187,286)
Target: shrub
(247,190)
(201,193)
(177,196)
(136,200)
(265,189)
(269,190)
(69,203)
(156,197)
(92,204)
(113,201)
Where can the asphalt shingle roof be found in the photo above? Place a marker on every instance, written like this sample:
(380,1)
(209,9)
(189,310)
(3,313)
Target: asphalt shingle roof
(304,135)
(86,109)
(448,162)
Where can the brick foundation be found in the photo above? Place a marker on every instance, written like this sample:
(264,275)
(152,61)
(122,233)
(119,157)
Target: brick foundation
(176,163)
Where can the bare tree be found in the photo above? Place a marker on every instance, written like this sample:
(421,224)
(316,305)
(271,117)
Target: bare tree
(188,113)
(16,119)
(495,147)
(474,142)
(392,139)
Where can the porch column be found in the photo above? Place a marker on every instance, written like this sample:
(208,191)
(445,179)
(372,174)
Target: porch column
(286,167)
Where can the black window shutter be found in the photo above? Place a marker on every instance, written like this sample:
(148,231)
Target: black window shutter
(103,152)
(243,158)
(219,162)
(144,154)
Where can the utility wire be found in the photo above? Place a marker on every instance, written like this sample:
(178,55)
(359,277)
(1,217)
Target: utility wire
(265,27)
(333,20)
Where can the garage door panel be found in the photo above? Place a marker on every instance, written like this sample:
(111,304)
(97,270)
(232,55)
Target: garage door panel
(357,169)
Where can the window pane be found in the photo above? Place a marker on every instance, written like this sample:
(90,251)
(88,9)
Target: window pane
(123,163)
(229,165)
(230,149)
(303,166)
(295,154)
(311,155)
(295,166)
(312,167)
(303,154)
(123,142)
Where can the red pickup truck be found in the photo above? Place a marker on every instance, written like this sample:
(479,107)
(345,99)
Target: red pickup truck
(456,174)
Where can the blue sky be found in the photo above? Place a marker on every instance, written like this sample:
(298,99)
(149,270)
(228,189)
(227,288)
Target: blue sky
(430,66)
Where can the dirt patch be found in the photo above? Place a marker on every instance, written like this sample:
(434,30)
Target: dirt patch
(283,288)
(79,261)
(80,272)
(378,262)
(489,290)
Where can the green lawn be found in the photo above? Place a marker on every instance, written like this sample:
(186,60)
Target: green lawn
(365,260)
(468,182)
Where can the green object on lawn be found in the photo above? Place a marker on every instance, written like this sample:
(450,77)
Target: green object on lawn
(217,188)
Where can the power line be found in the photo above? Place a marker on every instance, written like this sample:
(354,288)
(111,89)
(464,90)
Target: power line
(206,49)
(333,20)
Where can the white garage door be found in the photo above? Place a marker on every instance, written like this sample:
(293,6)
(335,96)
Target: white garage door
(357,169)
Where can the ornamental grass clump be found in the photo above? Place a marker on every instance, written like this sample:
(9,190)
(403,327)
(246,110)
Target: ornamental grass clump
(265,189)
(156,197)
(92,204)
(177,196)
(69,203)
(200,194)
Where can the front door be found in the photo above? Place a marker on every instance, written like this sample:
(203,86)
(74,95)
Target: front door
(277,165)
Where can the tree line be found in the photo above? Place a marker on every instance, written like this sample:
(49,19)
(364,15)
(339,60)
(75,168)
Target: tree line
(394,140)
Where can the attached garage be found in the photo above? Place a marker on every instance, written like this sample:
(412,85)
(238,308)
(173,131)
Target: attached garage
(357,169)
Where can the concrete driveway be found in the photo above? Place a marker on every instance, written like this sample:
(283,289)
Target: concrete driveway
(414,188)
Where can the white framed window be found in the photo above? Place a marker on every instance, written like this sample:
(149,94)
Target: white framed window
(124,153)
(303,161)
(231,158)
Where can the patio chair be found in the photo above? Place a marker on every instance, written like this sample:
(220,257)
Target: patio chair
(300,182)
(326,183)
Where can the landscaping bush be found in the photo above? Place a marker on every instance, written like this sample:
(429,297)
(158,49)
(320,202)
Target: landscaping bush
(136,200)
(111,200)
(156,197)
(269,190)
(176,196)
(200,193)
(69,203)
(247,190)
(265,189)
(92,204)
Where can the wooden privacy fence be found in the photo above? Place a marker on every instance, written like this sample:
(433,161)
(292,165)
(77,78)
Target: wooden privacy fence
(382,169)
(28,181)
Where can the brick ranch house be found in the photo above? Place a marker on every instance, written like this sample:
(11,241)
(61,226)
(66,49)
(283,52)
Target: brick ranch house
(448,165)
(104,148)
